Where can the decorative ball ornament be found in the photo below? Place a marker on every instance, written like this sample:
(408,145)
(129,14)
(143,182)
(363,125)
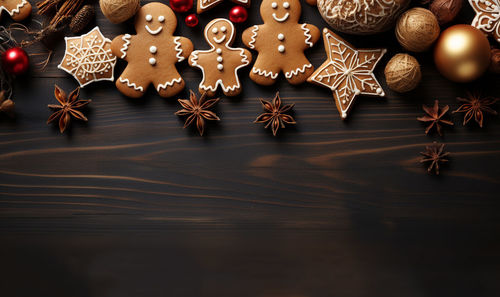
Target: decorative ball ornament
(402,73)
(238,14)
(462,53)
(417,29)
(360,17)
(191,20)
(181,6)
(118,11)
(15,61)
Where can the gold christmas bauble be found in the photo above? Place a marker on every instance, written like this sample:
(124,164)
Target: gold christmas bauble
(462,53)
(118,11)
(402,73)
(417,29)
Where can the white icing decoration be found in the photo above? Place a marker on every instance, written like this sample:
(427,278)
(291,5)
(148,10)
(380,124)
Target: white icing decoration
(152,61)
(161,19)
(281,48)
(281,36)
(264,73)
(204,4)
(251,44)
(487,17)
(282,19)
(86,57)
(307,34)
(274,5)
(154,32)
(342,74)
(14,10)
(126,39)
(298,70)
(219,59)
(219,82)
(178,49)
(286,5)
(223,29)
(131,85)
(149,17)
(168,83)
(220,40)
(215,30)
(220,67)
(153,49)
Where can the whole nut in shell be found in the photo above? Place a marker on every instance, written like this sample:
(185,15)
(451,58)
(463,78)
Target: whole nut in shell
(445,10)
(361,16)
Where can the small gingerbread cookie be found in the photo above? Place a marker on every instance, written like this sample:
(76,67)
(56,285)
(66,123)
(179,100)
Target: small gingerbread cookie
(220,64)
(487,17)
(17,9)
(88,58)
(347,71)
(204,5)
(281,42)
(152,53)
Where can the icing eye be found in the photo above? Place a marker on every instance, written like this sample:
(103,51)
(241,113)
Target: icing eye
(161,19)
(223,29)
(286,5)
(214,30)
(274,5)
(149,17)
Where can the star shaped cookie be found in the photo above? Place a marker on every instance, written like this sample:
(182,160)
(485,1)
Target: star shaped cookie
(487,17)
(204,5)
(88,57)
(348,72)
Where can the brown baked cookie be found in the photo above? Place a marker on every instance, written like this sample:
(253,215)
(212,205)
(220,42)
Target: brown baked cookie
(204,5)
(220,64)
(152,53)
(17,9)
(281,42)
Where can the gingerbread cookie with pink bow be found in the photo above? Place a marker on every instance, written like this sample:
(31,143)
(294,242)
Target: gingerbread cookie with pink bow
(281,42)
(17,9)
(152,53)
(221,63)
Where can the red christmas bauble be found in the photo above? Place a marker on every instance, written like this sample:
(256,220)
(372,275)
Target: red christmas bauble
(181,5)
(15,61)
(191,20)
(238,14)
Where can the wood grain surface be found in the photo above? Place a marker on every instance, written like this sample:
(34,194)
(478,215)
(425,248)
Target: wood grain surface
(131,204)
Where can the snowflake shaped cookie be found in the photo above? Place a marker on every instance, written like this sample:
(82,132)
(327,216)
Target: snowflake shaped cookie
(487,17)
(88,58)
(348,72)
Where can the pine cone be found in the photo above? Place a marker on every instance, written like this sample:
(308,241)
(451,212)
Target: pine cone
(82,18)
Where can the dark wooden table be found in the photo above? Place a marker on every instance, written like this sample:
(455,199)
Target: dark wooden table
(131,204)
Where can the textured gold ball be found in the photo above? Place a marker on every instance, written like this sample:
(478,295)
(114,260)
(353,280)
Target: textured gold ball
(402,73)
(118,11)
(462,53)
(417,29)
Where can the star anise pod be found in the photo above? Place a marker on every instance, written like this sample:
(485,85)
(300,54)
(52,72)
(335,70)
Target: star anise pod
(68,108)
(6,105)
(435,154)
(275,114)
(435,117)
(474,106)
(198,109)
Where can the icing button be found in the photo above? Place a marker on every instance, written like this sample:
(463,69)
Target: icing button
(281,48)
(281,36)
(219,59)
(152,61)
(220,67)
(219,51)
(153,49)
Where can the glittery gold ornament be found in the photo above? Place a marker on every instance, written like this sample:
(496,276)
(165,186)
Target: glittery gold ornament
(462,53)
(417,29)
(402,73)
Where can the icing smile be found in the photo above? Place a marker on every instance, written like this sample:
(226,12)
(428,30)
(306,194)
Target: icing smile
(220,40)
(155,31)
(284,18)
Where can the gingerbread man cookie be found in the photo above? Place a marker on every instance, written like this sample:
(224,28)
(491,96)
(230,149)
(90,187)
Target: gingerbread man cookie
(17,9)
(152,53)
(220,64)
(281,42)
